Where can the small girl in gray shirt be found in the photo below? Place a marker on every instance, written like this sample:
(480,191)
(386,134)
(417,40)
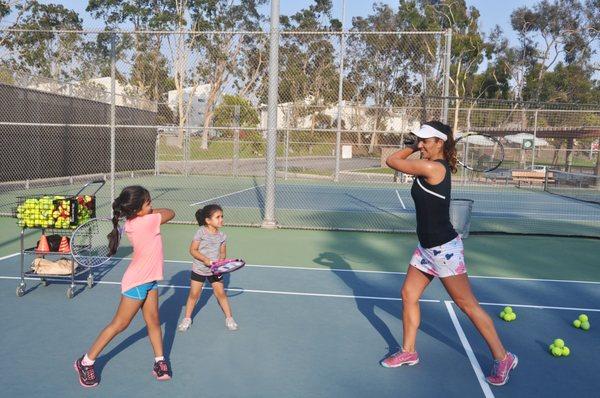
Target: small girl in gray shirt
(207,246)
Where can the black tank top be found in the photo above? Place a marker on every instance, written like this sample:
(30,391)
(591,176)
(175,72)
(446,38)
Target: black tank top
(432,203)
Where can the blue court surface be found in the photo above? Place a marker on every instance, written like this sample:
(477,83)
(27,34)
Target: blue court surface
(304,332)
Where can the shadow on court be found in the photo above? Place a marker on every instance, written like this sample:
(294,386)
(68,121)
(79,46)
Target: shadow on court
(367,307)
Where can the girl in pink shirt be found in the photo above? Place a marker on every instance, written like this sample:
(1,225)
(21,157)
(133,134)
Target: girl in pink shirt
(139,286)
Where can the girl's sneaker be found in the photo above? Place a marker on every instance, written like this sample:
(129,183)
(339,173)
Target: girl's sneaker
(87,374)
(230,323)
(401,358)
(185,324)
(161,370)
(501,370)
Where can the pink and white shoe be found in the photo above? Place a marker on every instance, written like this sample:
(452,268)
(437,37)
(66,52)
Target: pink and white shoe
(501,370)
(401,358)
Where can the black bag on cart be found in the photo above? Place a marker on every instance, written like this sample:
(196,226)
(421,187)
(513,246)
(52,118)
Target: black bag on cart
(53,242)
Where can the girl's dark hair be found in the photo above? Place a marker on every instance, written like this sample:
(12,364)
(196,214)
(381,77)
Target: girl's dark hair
(207,212)
(449,144)
(129,202)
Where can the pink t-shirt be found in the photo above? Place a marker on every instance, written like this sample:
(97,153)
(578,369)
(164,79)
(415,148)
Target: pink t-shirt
(147,262)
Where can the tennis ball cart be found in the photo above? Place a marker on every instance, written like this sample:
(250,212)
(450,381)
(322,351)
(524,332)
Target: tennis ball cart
(57,216)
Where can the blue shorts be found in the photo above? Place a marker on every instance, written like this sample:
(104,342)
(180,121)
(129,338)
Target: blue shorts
(141,292)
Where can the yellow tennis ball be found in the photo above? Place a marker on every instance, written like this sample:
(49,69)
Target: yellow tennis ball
(560,343)
(583,318)
(508,310)
(557,352)
(565,351)
(502,314)
(585,325)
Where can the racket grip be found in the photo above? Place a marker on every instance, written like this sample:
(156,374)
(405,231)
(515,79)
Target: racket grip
(410,140)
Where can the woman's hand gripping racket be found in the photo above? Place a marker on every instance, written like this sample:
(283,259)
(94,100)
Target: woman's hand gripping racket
(226,265)
(479,152)
(89,242)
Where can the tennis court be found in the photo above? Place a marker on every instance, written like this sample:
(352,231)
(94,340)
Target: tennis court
(317,311)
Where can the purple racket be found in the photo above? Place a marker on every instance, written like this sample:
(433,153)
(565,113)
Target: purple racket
(226,265)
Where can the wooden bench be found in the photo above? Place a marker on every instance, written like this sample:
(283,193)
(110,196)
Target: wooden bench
(530,177)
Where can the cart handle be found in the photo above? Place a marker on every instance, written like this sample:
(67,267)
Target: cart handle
(101,182)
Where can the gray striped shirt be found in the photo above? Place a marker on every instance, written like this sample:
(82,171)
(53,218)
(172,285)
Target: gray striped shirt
(210,246)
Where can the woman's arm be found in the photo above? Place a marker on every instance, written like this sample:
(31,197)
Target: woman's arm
(196,253)
(417,167)
(166,215)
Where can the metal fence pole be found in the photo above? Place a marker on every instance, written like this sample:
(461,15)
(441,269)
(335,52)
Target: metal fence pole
(338,134)
(112,119)
(269,211)
(236,140)
(535,125)
(447,76)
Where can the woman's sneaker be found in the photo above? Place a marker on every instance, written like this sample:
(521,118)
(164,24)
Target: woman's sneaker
(161,370)
(401,358)
(87,374)
(185,324)
(501,370)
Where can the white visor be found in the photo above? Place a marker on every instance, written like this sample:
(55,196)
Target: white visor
(426,131)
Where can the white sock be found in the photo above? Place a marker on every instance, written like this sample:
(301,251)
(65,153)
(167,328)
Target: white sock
(86,361)
(156,359)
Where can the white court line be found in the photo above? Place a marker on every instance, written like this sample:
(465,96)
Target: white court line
(400,199)
(465,342)
(542,307)
(229,194)
(368,271)
(233,289)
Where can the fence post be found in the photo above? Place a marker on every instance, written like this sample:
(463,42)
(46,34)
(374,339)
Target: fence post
(236,140)
(112,119)
(447,76)
(269,213)
(338,133)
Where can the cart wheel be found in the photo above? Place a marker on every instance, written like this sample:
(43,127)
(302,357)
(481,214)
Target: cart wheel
(70,293)
(20,290)
(44,282)
(90,281)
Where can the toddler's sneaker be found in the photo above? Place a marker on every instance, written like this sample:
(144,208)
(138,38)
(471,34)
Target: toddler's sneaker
(230,323)
(185,324)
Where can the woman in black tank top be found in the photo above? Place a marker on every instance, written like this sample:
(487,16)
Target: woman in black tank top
(440,251)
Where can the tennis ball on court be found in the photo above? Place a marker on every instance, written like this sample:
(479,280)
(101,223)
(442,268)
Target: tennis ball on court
(502,314)
(585,325)
(513,316)
(565,351)
(559,343)
(557,352)
(583,318)
(508,310)
(507,317)
(551,348)
(577,323)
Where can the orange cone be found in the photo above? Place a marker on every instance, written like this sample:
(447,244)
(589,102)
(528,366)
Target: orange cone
(43,244)
(64,245)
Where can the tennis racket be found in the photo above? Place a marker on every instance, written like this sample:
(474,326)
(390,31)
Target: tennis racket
(89,242)
(226,265)
(479,152)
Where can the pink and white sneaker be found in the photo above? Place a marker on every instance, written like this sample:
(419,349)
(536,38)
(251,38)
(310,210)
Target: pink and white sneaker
(401,358)
(162,370)
(501,370)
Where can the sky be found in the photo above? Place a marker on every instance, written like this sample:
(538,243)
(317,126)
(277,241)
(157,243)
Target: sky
(492,12)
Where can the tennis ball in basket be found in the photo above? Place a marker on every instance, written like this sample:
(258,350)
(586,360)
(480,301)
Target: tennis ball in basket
(507,310)
(585,325)
(577,323)
(565,351)
(583,318)
(557,352)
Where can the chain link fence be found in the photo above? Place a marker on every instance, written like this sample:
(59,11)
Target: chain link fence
(190,124)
